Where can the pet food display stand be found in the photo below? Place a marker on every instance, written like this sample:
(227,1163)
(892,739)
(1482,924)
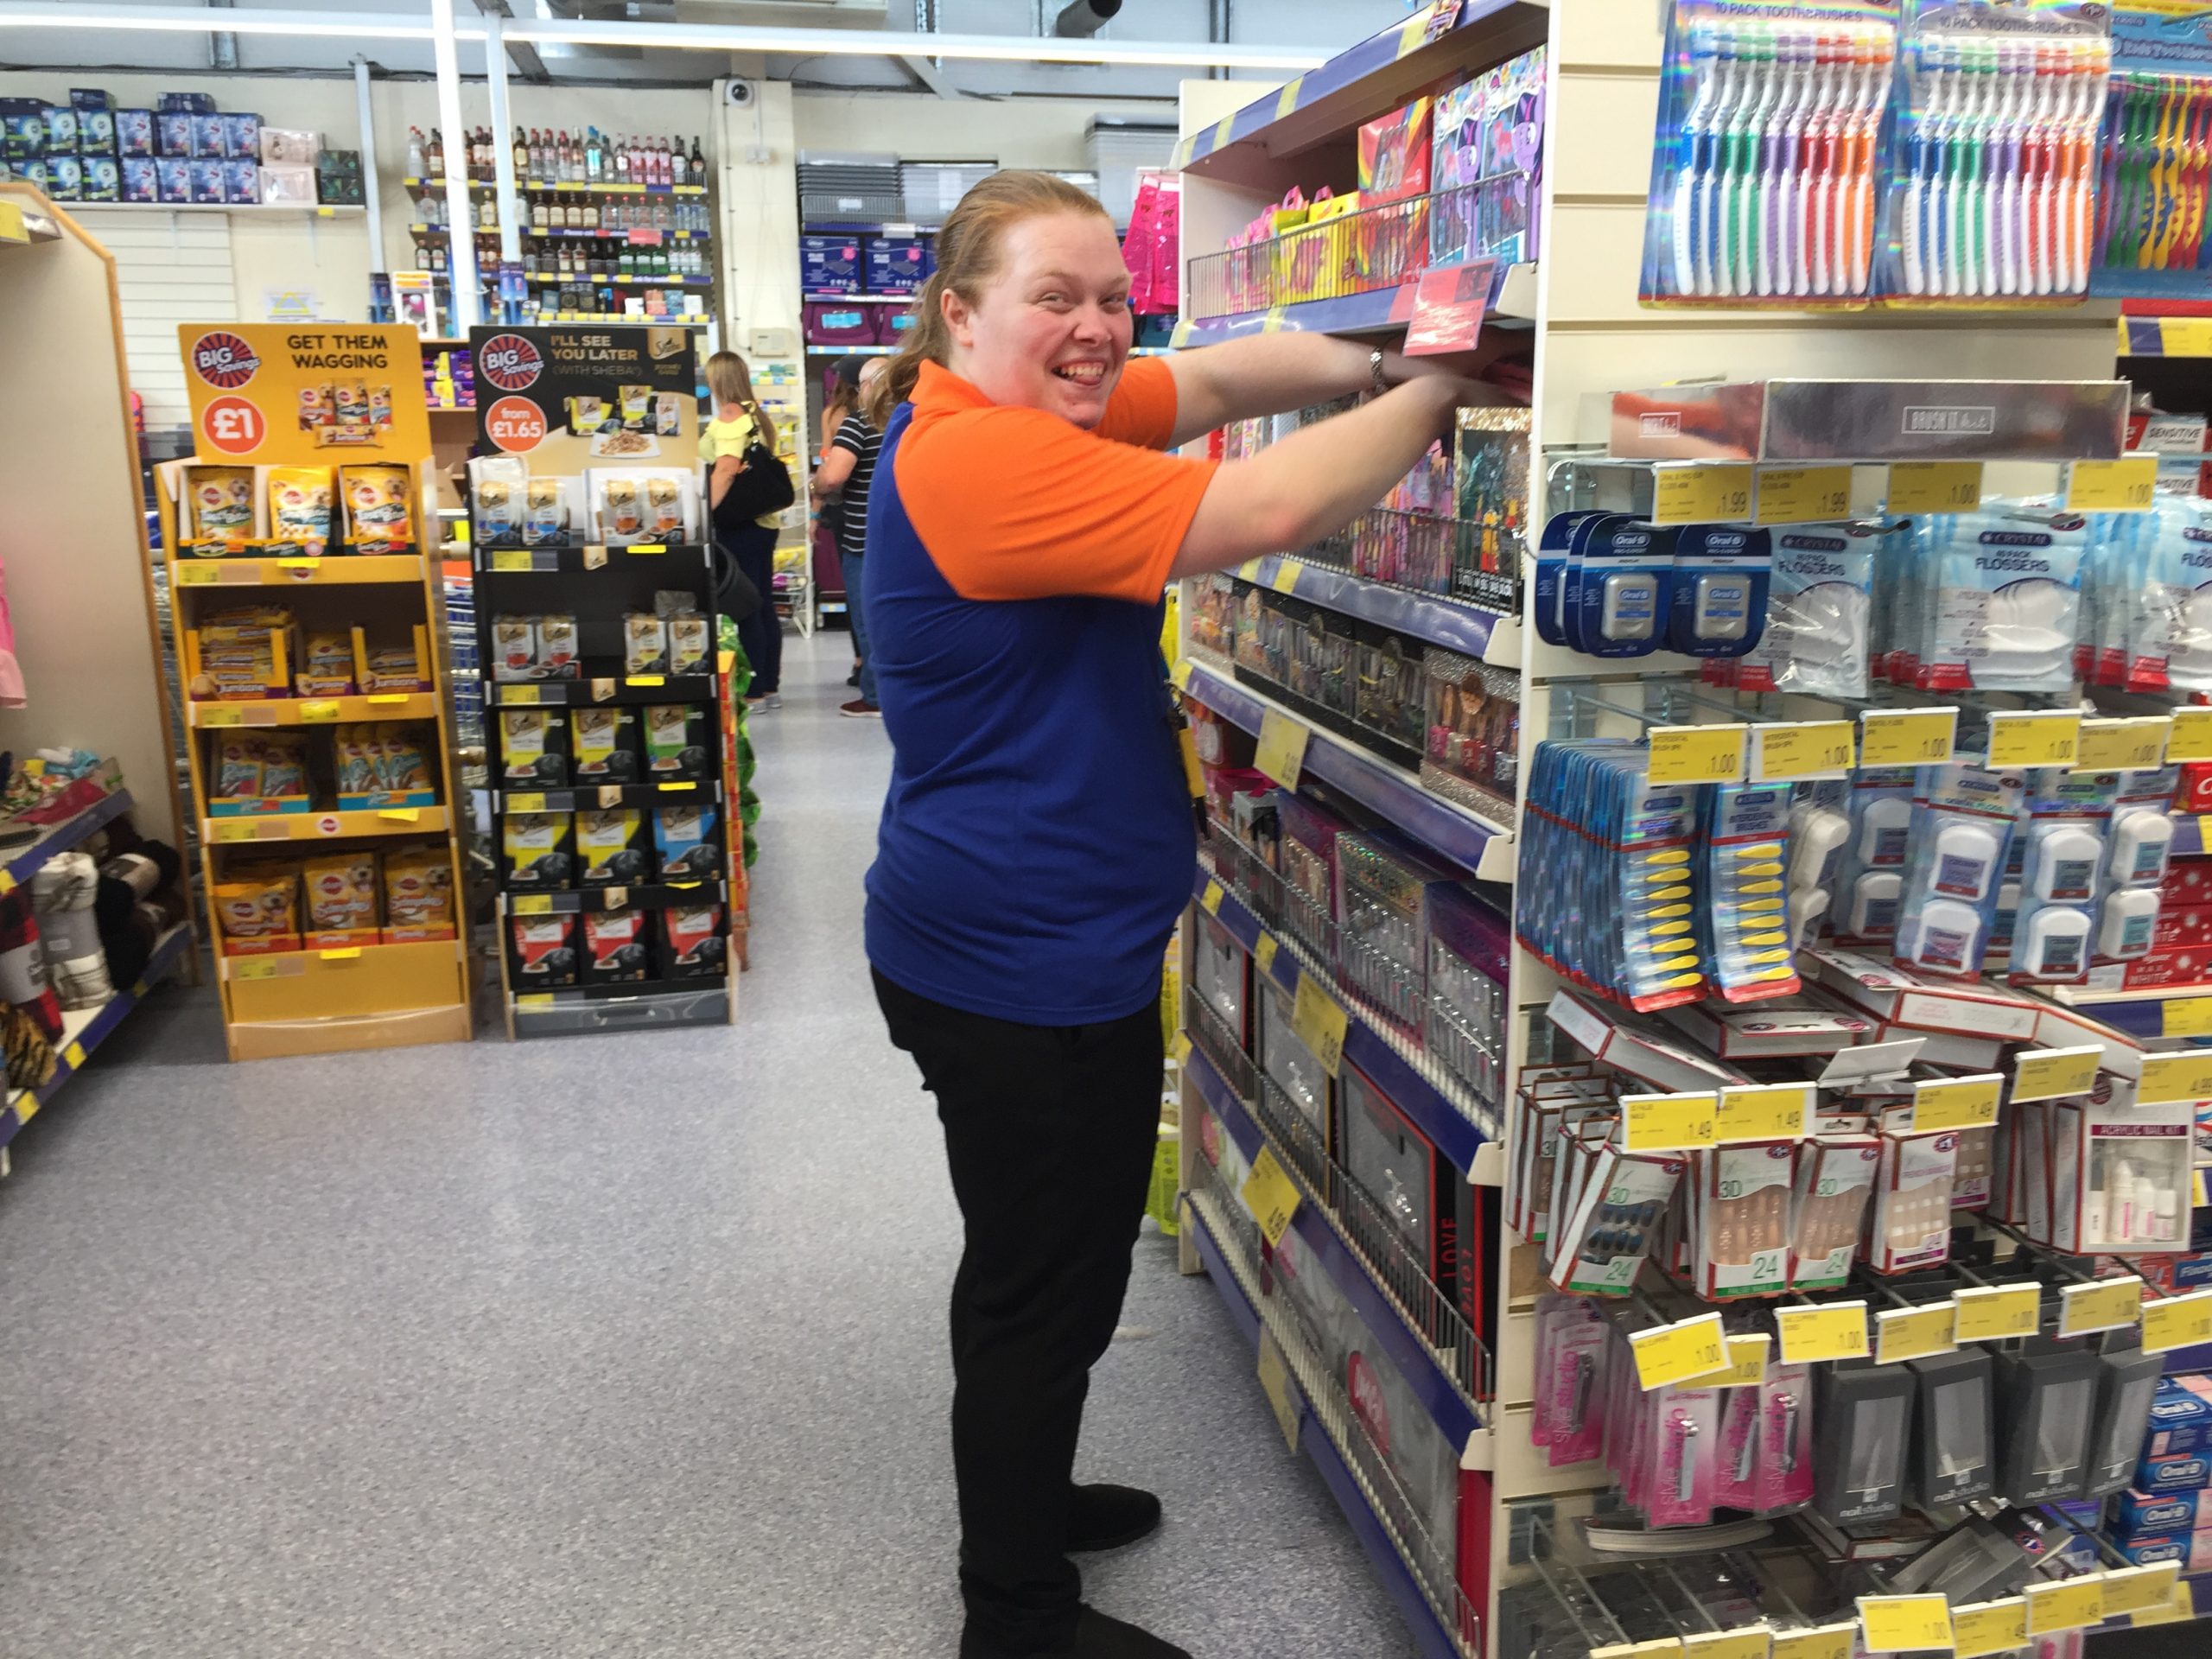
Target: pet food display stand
(247,382)
(1264,1199)
(79,593)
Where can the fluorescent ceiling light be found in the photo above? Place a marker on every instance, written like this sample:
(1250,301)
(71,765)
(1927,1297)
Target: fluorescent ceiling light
(188,20)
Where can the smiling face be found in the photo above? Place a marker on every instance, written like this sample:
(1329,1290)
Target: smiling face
(1051,329)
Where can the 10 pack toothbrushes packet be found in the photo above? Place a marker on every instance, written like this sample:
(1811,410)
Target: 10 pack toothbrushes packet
(1772,120)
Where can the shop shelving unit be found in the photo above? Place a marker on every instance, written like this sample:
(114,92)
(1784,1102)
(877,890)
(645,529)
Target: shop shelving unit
(365,995)
(79,585)
(1591,338)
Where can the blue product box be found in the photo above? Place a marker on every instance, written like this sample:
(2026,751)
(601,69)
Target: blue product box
(830,264)
(207,139)
(22,128)
(85,99)
(96,132)
(65,178)
(241,137)
(103,178)
(134,132)
(206,180)
(172,178)
(140,181)
(2141,1515)
(2190,1473)
(61,129)
(173,133)
(895,265)
(188,103)
(684,837)
(32,173)
(2192,1550)
(241,182)
(2181,1417)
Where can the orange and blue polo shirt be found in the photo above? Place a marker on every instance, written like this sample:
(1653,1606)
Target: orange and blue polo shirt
(1036,841)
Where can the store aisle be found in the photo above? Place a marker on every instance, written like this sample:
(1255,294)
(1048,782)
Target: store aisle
(630,1346)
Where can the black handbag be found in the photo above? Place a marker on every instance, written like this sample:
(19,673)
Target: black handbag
(762,486)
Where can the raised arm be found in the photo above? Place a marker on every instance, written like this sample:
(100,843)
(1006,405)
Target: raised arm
(1267,374)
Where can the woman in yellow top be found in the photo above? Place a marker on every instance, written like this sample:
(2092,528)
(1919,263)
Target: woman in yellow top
(738,413)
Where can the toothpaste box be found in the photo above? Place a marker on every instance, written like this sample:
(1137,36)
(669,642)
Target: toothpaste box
(2192,1549)
(2143,1514)
(206,138)
(206,180)
(173,175)
(134,132)
(2190,1473)
(2181,1416)
(141,183)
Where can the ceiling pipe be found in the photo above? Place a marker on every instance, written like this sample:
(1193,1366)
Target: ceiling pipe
(1084,18)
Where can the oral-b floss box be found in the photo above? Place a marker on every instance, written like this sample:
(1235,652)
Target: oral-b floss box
(1620,589)
(1553,549)
(1719,590)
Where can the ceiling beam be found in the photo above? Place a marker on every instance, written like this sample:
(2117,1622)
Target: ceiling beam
(930,76)
(521,53)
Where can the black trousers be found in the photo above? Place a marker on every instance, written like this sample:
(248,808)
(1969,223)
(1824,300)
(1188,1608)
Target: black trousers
(754,546)
(1050,1132)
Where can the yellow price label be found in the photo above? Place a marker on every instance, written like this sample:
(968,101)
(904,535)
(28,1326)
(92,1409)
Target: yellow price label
(2169,1078)
(1808,748)
(1780,1111)
(643,548)
(1210,900)
(2176,1321)
(533,904)
(1999,1313)
(1754,1643)
(1698,754)
(512,558)
(1832,1330)
(1179,1050)
(27,1105)
(1956,1103)
(1989,1627)
(1282,753)
(1691,493)
(196,576)
(1669,1122)
(1907,737)
(526,803)
(318,710)
(2055,1073)
(2069,1604)
(534,1000)
(2185,1016)
(1664,1647)
(256,968)
(381,699)
(2191,737)
(1287,572)
(1900,1624)
(1321,1022)
(1264,953)
(299,561)
(645,679)
(2124,486)
(1934,486)
(400,814)
(1902,1333)
(1822,1642)
(1179,675)
(73,1056)
(1800,495)
(2107,1305)
(1672,1353)
(2124,745)
(1745,1366)
(217,716)
(231,830)
(2140,1589)
(518,693)
(342,953)
(2183,1606)
(2034,737)
(1270,1195)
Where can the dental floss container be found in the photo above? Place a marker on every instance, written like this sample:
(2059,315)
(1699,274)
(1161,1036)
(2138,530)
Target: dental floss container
(1882,829)
(2130,918)
(1807,905)
(1965,860)
(1816,834)
(2056,946)
(1874,902)
(1949,936)
(2064,858)
(2140,842)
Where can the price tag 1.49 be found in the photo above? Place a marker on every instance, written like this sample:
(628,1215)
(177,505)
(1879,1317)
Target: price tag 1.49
(1779,1111)
(1823,1641)
(2170,1078)
(1956,1103)
(1669,1123)
(1990,1627)
(2069,1605)
(2055,1073)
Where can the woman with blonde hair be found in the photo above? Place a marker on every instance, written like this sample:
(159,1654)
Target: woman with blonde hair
(751,542)
(1038,840)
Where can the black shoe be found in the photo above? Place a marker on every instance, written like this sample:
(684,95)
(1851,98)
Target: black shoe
(1107,1517)
(853,678)
(1097,1637)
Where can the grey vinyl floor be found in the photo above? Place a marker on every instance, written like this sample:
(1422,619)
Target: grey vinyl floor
(618,1346)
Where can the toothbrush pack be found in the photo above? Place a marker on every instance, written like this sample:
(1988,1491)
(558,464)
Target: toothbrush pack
(1963,823)
(1769,133)
(1993,159)
(2152,180)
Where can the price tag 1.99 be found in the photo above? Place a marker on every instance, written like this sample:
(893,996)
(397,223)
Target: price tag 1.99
(1697,754)
(1800,495)
(1797,749)
(1907,737)
(1691,493)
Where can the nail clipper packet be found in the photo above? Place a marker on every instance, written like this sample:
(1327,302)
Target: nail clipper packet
(1620,587)
(2003,609)
(1718,590)
(1763,178)
(1743,922)
(1962,820)
(1567,1418)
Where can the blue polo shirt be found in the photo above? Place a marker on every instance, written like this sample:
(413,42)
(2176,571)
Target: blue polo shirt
(1037,842)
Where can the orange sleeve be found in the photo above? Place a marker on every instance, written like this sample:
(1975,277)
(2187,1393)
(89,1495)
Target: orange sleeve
(1013,503)
(1143,409)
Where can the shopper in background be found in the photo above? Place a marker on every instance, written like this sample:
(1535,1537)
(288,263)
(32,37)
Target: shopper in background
(844,392)
(738,417)
(847,467)
(1038,840)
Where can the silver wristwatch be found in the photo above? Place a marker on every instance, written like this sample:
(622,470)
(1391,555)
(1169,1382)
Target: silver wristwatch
(1374,372)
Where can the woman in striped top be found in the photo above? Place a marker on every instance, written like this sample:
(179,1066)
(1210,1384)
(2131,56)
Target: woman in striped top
(847,466)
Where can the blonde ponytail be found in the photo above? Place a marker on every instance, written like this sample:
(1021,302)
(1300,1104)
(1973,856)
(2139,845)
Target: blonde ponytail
(969,250)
